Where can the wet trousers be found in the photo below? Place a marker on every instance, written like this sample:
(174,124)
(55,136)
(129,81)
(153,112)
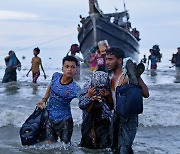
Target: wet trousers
(126,129)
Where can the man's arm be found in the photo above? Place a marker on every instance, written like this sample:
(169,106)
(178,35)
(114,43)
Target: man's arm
(144,87)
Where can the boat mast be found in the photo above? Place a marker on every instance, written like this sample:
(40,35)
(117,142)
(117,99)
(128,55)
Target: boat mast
(94,7)
(127,16)
(93,14)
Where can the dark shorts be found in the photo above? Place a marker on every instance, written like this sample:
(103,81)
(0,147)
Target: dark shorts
(62,129)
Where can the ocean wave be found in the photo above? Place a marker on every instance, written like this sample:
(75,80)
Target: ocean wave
(167,119)
(12,117)
(17,118)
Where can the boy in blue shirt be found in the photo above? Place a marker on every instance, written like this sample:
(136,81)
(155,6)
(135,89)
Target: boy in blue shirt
(60,93)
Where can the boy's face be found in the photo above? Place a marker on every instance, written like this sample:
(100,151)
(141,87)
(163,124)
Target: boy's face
(69,68)
(35,52)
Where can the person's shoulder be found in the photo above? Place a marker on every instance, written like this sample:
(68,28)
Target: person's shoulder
(78,58)
(76,85)
(56,75)
(177,54)
(7,58)
(38,58)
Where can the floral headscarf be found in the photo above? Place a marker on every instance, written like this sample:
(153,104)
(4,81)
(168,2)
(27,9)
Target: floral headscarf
(98,80)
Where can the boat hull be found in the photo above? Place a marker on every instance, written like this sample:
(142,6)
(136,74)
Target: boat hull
(97,28)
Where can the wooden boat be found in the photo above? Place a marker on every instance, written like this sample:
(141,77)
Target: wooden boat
(113,27)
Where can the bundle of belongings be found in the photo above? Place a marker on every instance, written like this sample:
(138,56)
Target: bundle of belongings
(34,128)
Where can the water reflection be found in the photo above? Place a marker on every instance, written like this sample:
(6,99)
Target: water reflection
(11,88)
(34,88)
(153,72)
(177,79)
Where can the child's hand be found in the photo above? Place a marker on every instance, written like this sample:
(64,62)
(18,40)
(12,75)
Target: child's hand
(97,98)
(91,92)
(104,93)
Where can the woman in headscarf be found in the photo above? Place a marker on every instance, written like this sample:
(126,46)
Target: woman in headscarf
(12,63)
(96,103)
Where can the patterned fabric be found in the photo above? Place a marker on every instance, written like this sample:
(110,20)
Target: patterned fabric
(35,76)
(62,129)
(101,61)
(99,79)
(60,97)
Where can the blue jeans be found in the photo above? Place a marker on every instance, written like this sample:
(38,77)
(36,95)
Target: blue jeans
(126,133)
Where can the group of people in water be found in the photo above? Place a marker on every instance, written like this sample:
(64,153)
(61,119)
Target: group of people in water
(155,57)
(101,127)
(13,63)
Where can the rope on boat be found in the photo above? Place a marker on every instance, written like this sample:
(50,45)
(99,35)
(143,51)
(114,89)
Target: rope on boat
(55,39)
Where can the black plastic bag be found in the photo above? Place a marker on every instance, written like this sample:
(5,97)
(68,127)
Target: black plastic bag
(34,128)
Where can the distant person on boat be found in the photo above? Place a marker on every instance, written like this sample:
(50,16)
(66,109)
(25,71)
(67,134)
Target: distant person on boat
(144,59)
(136,33)
(123,128)
(79,28)
(83,20)
(12,63)
(177,62)
(36,62)
(58,96)
(152,57)
(96,103)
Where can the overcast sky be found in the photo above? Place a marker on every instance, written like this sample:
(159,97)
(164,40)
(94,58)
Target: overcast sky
(26,23)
